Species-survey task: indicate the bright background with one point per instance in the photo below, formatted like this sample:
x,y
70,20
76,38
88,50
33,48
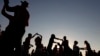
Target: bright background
x,y
77,19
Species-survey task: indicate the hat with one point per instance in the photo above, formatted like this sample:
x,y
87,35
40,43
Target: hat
x,y
24,2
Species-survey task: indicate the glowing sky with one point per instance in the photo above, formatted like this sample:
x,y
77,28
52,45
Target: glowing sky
x,y
77,19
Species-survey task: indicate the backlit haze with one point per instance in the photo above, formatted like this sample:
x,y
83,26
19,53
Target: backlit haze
x,y
77,19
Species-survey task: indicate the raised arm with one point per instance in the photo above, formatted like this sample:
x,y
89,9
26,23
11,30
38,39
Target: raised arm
x,y
34,35
41,37
4,13
59,39
11,9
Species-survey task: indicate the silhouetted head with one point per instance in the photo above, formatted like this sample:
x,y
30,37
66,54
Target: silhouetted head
x,y
24,4
38,39
29,35
75,42
85,42
52,36
64,37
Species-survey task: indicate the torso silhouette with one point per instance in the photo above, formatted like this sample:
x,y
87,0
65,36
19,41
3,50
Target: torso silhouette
x,y
21,16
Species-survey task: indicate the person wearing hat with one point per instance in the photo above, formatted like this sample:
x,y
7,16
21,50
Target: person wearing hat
x,y
21,17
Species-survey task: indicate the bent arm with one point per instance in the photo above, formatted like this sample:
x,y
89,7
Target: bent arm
x,y
5,14
8,8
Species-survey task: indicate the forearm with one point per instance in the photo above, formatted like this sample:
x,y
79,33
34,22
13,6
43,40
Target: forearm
x,y
6,3
4,13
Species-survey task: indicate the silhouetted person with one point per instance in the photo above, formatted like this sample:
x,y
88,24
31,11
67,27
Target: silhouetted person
x,y
88,49
76,49
67,49
39,46
21,16
50,44
27,44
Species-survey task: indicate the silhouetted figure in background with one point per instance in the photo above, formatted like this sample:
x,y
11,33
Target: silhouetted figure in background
x,y
27,45
21,16
39,45
67,49
76,49
88,49
50,44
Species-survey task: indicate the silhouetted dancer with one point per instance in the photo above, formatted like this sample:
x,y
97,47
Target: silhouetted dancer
x,y
67,49
50,44
27,45
76,49
21,16
88,49
39,46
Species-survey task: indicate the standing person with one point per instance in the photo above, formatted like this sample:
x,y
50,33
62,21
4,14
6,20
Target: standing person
x,y
39,46
50,44
27,45
88,48
21,16
76,50
67,49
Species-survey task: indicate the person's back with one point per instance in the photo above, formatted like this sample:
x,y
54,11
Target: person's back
x,y
75,49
